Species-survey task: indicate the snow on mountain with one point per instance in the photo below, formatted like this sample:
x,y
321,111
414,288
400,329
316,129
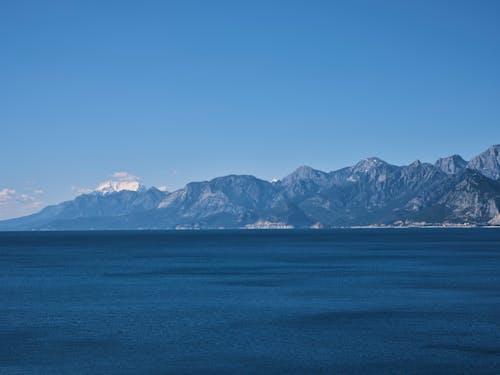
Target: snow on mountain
x,y
120,181
115,186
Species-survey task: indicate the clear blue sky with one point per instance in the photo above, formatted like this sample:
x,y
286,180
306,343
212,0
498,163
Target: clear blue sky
x,y
174,91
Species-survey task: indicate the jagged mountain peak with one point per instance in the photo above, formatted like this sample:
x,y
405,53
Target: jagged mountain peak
x,y
487,162
303,172
367,164
304,180
304,169
420,165
494,148
451,164
234,178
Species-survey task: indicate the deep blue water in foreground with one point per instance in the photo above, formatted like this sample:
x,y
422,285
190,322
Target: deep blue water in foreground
x,y
344,301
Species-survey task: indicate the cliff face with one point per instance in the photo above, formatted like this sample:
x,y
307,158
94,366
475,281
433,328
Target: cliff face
x,y
474,199
487,163
452,164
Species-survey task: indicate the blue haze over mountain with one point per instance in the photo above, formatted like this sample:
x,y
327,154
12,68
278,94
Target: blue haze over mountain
x,y
372,192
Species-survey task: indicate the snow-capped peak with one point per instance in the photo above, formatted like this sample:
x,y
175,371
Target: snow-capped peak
x,y
114,186
121,181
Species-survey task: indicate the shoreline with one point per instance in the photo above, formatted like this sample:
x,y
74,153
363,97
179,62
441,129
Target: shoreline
x,y
241,229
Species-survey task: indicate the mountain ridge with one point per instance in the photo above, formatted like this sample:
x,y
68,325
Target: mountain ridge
x,y
370,193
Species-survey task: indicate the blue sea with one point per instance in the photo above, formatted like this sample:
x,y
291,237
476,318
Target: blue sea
x,y
353,301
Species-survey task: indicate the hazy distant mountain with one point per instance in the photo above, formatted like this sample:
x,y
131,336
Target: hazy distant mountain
x,y
372,192
95,205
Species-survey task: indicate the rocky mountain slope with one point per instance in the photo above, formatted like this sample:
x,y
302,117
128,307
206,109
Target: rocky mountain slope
x,y
372,192
487,163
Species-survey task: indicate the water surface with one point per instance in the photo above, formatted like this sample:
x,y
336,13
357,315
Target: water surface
x,y
346,301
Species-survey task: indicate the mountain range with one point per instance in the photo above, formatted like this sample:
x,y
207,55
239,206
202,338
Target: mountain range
x,y
372,192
